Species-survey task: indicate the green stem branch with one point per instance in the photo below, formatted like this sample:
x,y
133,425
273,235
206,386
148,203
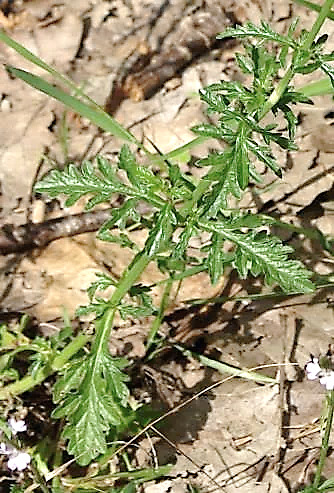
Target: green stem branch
x,y
28,382
277,93
158,319
129,277
323,14
289,74
314,6
325,439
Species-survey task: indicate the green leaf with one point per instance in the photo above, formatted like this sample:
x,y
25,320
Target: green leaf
x,y
291,119
182,187
135,311
264,154
283,142
266,67
240,158
217,259
121,239
294,97
119,216
140,177
245,63
283,56
208,130
182,244
15,488
78,182
98,306
259,253
327,485
214,159
144,306
238,220
92,396
71,378
93,112
329,71
160,235
102,283
229,369
264,32
217,198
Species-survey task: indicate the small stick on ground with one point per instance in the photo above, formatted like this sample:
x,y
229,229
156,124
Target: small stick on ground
x,y
29,236
195,36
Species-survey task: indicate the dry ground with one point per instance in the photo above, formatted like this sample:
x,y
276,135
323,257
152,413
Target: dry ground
x,y
249,438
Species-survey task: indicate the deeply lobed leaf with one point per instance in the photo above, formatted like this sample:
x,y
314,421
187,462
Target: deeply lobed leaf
x,y
92,396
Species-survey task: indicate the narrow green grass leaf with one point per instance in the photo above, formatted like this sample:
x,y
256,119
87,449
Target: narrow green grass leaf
x,y
94,114
318,88
28,55
224,368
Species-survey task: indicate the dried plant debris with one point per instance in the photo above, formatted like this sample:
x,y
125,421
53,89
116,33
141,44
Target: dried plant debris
x,y
146,70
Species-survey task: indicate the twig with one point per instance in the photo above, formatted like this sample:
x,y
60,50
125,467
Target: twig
x,y
31,235
196,35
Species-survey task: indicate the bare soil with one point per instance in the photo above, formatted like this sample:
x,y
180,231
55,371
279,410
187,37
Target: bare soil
x,y
247,437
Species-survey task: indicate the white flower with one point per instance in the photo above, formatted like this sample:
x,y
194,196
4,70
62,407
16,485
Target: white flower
x,y
312,368
327,379
17,426
6,448
314,371
18,460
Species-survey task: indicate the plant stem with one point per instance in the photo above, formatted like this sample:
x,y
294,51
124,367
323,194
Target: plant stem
x,y
325,439
323,14
24,384
289,74
318,88
327,243
158,319
276,95
70,350
28,382
129,277
314,6
175,153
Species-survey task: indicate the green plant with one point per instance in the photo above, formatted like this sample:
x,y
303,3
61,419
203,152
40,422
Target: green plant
x,y
323,371
91,393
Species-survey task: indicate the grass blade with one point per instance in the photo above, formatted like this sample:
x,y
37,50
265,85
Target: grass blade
x,y
318,88
95,114
28,55
224,368
31,57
